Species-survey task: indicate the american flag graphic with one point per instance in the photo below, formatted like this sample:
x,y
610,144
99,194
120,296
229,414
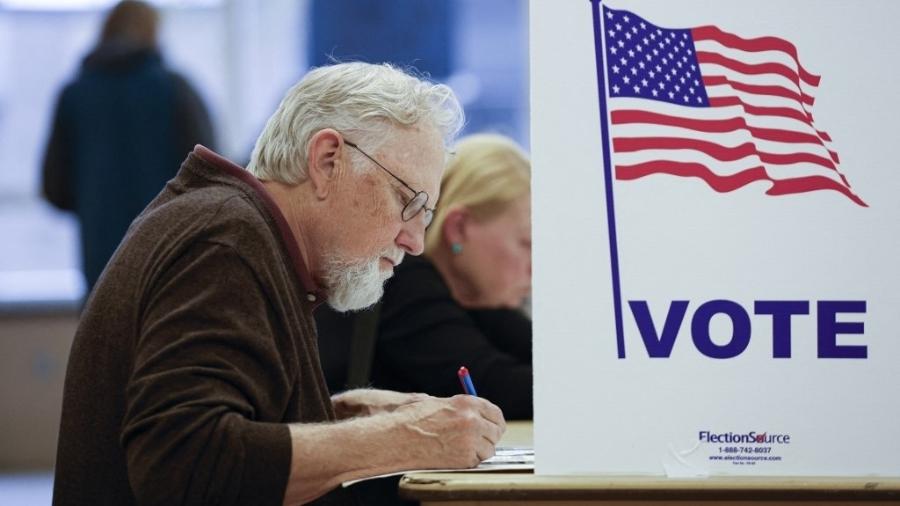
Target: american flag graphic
x,y
705,103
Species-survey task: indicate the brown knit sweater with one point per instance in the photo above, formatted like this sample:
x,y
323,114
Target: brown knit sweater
x,y
194,349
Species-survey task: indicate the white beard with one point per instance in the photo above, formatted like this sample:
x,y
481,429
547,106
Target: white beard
x,y
355,286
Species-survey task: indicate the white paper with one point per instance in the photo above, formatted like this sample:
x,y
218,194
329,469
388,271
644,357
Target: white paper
x,y
505,459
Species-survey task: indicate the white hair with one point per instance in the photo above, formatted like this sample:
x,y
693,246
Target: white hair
x,y
358,99
353,286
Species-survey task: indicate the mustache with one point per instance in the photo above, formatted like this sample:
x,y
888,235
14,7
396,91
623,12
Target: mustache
x,y
394,255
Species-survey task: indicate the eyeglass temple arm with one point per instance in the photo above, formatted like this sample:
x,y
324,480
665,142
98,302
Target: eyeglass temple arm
x,y
352,145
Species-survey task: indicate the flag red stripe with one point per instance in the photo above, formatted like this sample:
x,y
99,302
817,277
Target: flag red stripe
x,y
753,46
758,89
787,159
717,151
779,135
630,116
811,183
750,68
722,153
719,183
727,183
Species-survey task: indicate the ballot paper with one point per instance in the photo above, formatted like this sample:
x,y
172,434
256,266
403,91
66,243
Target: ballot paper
x,y
506,458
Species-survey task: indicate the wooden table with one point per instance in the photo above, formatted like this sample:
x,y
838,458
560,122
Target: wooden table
x,y
504,488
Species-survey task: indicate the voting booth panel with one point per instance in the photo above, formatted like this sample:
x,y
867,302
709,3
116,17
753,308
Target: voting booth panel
x,y
717,228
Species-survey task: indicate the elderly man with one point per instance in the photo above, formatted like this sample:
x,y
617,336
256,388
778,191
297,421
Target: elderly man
x,y
194,376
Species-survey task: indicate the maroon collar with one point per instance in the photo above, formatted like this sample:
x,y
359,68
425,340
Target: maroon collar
x,y
314,293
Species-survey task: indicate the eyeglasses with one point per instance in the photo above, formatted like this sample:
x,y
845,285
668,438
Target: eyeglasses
x,y
416,204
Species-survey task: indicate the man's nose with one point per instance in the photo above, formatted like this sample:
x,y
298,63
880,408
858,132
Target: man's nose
x,y
412,236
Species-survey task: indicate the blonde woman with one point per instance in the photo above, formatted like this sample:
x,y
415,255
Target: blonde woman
x,y
457,305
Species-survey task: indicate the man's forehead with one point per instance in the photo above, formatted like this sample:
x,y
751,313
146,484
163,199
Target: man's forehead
x,y
418,158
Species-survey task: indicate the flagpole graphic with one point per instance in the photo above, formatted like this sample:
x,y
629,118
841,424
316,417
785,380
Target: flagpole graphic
x,y
608,178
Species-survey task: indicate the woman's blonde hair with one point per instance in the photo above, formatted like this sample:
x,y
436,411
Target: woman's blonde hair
x,y
486,174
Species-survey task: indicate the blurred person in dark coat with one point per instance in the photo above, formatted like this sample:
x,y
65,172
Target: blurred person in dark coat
x,y
120,131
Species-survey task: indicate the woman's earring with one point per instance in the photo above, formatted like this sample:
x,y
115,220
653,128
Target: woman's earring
x,y
456,248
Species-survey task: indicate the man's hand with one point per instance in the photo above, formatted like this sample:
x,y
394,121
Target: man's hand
x,y
455,432
414,431
367,401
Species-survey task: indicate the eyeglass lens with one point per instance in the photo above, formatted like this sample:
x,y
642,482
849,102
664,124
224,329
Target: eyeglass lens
x,y
415,205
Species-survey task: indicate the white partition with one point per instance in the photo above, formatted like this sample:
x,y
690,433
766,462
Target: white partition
x,y
722,295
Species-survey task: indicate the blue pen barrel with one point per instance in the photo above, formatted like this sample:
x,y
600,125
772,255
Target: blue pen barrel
x,y
466,381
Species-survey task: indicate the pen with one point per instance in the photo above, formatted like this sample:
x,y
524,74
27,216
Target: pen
x,y
466,381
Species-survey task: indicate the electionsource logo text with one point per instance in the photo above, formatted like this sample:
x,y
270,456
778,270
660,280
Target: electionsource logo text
x,y
749,437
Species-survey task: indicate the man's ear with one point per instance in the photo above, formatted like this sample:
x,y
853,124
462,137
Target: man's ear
x,y
456,223
324,156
